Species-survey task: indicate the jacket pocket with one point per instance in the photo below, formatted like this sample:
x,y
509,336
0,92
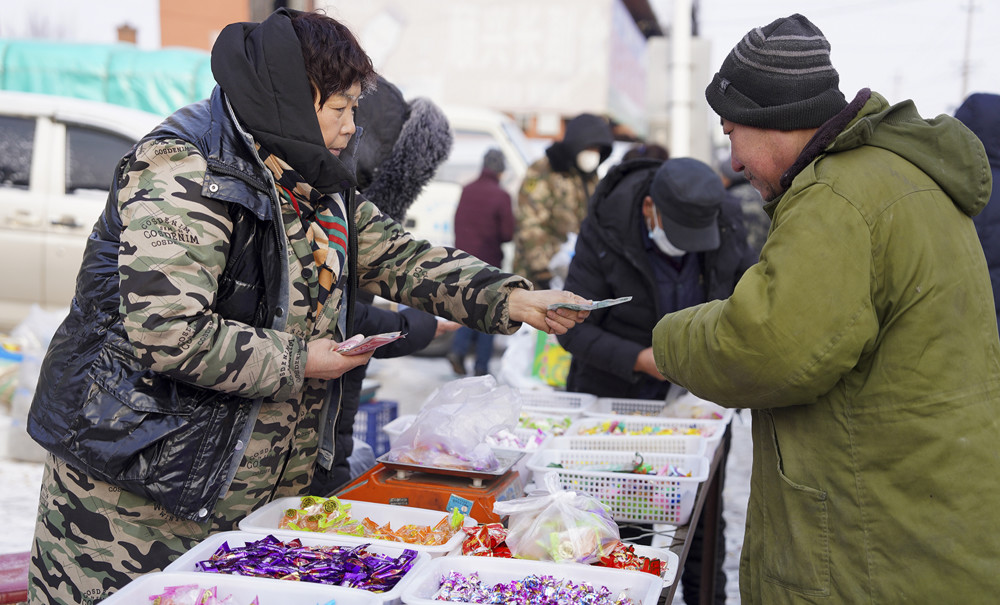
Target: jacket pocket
x,y
128,419
797,544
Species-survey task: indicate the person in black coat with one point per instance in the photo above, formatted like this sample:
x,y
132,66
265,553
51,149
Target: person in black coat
x,y
666,234
617,256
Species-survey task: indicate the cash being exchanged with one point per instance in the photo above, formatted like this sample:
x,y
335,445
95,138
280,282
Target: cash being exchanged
x,y
598,304
358,344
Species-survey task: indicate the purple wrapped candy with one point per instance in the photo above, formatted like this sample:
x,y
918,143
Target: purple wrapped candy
x,y
355,567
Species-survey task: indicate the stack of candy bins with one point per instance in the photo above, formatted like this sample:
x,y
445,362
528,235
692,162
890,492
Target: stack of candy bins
x,y
602,586
267,520
711,430
632,497
174,588
372,569
687,407
556,403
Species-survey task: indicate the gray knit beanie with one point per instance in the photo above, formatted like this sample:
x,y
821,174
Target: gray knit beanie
x,y
778,77
494,161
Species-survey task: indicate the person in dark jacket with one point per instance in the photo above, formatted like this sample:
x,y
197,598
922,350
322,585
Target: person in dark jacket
x,y
483,222
404,142
617,254
666,234
981,113
188,384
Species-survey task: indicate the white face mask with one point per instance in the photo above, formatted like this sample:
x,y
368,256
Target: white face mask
x,y
659,237
588,160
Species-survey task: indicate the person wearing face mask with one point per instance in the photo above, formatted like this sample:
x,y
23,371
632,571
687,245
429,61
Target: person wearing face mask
x,y
666,234
553,197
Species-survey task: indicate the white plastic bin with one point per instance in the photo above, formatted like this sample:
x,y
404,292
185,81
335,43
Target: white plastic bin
x,y
266,520
556,402
631,497
207,547
643,588
691,445
687,407
634,426
242,589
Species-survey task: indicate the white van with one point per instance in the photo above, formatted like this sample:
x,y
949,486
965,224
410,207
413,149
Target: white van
x,y
57,156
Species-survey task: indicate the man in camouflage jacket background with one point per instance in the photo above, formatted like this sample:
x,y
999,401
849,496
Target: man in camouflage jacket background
x,y
553,197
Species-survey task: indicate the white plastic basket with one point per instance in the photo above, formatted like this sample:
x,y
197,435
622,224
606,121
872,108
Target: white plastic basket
x,y
642,588
631,497
267,519
556,402
632,426
243,590
691,445
688,407
207,547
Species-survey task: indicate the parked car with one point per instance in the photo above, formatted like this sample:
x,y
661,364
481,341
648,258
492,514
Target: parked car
x,y
57,157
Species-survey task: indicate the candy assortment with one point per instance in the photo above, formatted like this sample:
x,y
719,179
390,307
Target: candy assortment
x,y
489,540
192,594
620,427
352,566
531,590
550,425
332,515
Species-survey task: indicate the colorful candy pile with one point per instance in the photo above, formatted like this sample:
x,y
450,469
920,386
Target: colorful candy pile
x,y
351,566
532,590
517,441
624,557
617,427
192,594
331,515
548,425
489,540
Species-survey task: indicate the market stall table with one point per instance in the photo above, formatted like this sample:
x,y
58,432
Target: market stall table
x,y
707,502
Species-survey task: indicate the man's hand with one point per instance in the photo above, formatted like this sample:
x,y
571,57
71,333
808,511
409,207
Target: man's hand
x,y
646,364
322,361
531,307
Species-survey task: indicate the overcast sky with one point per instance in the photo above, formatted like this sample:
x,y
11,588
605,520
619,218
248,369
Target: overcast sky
x,y
903,49
900,48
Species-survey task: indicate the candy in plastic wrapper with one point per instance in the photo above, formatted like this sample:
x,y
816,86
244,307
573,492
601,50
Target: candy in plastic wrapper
x,y
353,566
531,590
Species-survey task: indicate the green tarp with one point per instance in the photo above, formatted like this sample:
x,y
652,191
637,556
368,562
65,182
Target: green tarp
x,y
157,81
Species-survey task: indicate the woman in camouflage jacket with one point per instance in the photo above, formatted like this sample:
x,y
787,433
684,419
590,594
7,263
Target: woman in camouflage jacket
x,y
186,387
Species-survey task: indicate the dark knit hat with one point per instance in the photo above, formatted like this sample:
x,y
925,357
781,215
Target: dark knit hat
x,y
494,161
778,77
688,194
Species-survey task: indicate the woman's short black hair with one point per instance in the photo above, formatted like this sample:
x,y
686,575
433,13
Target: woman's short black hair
x,y
333,57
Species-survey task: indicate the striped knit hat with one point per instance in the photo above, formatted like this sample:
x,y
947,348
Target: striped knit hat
x,y
778,77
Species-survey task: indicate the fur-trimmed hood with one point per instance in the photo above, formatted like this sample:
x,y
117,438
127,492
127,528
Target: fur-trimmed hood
x,y
403,145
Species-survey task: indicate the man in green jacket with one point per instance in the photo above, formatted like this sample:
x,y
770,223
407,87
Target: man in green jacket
x,y
864,341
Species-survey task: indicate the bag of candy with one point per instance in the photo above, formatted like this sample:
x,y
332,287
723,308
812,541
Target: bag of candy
x,y
452,427
560,526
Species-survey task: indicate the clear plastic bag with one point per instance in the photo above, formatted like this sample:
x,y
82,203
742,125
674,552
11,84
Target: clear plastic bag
x,y
557,525
451,428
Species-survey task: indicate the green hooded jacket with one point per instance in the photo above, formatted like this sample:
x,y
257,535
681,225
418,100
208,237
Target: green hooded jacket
x,y
865,343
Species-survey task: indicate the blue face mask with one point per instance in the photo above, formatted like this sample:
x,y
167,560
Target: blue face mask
x,y
659,237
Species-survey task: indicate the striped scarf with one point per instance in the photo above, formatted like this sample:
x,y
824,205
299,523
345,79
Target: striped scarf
x,y
324,222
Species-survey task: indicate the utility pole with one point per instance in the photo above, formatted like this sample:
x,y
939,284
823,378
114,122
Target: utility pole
x,y
681,103
966,59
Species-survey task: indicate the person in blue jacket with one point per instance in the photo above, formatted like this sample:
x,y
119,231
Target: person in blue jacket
x,y
981,113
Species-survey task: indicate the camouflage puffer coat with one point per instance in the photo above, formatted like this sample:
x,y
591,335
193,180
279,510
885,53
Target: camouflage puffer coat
x,y
187,317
